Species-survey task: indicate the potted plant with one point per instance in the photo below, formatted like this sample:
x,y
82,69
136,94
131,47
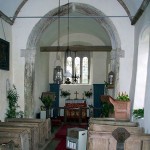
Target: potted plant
x,y
138,113
121,106
47,101
107,109
65,93
12,97
45,110
88,93
123,97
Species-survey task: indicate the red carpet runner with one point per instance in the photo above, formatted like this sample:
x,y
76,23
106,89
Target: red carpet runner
x,y
61,135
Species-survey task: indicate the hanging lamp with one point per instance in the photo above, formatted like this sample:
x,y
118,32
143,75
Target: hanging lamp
x,y
68,49
58,71
67,74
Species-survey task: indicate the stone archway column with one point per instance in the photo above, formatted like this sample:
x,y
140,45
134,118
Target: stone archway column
x,y
29,77
116,54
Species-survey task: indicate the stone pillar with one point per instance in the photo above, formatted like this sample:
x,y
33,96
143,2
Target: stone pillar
x,y
29,76
116,54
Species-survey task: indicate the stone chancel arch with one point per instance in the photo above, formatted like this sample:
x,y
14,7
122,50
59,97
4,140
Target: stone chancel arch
x,y
40,27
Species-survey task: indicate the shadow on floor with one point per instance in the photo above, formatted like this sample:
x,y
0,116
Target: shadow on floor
x,y
54,142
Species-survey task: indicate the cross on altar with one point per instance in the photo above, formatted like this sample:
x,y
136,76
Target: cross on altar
x,y
76,93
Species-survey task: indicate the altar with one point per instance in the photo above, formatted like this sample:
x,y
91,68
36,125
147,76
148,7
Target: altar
x,y
75,101
75,109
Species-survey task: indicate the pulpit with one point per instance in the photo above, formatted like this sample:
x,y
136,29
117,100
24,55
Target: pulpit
x,y
75,109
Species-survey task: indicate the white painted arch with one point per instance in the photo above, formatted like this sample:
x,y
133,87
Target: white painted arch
x,y
36,34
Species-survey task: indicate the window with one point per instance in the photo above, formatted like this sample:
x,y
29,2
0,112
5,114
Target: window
x,y
77,67
85,70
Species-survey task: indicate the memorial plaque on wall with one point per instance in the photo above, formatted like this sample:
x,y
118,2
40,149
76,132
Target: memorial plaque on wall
x,y
4,54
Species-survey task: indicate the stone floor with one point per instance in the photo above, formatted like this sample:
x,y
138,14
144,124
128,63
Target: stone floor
x,y
52,144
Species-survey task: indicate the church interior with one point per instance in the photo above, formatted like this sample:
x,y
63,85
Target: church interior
x,y
65,65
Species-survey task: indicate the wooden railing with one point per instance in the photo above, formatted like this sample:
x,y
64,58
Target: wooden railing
x,y
80,113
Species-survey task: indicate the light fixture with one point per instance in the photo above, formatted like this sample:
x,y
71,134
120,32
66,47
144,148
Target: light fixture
x,y
67,74
75,77
58,71
68,50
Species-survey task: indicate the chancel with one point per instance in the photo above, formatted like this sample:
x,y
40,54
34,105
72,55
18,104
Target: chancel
x,y
95,51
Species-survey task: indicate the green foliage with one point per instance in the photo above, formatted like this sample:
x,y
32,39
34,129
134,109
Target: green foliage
x,y
12,97
88,93
107,109
106,84
47,101
123,97
65,93
138,113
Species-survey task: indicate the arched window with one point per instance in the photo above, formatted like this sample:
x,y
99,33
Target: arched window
x,y
69,67
77,67
85,70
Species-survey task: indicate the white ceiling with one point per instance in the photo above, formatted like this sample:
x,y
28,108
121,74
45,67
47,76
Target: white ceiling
x,y
11,8
92,30
133,5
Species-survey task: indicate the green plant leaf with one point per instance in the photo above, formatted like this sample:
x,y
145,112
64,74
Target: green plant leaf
x,y
138,113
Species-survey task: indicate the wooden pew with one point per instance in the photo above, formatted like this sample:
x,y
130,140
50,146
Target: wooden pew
x,y
7,146
46,124
37,126
104,132
20,138
33,136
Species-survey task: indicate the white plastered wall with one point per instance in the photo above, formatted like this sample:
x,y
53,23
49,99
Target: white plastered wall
x,y
5,34
41,78
23,27
140,27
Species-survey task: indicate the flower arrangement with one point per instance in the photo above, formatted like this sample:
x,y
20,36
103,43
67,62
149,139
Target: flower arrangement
x,y
123,96
65,93
88,93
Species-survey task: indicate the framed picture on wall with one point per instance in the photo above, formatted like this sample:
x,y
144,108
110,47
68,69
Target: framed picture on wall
x,y
4,54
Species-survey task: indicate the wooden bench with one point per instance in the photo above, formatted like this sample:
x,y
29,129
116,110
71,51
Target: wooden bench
x,y
33,136
45,124
19,137
7,146
38,129
103,135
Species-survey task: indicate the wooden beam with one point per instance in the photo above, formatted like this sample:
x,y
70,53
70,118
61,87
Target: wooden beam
x,y
76,48
4,17
140,11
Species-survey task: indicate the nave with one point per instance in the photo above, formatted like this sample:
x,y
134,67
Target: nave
x,y
98,134
59,134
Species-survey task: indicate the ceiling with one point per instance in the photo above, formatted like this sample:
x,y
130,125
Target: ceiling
x,y
92,33
9,10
